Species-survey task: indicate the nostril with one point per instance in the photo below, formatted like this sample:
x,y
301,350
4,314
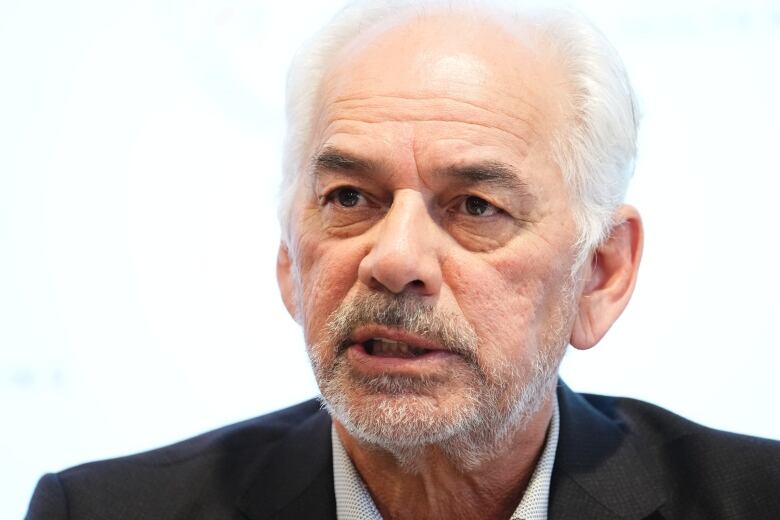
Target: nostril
x,y
417,283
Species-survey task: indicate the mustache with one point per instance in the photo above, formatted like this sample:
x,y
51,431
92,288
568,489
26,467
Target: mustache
x,y
405,312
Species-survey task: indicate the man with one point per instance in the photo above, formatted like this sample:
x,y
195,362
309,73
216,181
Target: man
x,y
452,221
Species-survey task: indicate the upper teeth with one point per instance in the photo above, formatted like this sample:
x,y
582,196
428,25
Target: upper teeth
x,y
389,346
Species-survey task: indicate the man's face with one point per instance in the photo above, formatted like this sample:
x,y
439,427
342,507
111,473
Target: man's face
x,y
432,239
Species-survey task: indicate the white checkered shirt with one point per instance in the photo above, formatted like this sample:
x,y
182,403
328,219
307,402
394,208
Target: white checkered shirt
x,y
353,502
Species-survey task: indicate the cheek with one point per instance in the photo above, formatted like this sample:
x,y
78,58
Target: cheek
x,y
328,272
507,298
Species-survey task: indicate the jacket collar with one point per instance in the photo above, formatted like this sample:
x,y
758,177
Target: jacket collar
x,y
297,479
599,472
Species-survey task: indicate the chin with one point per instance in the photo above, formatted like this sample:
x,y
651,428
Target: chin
x,y
465,418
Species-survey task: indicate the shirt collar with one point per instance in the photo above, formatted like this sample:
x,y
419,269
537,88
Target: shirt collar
x,y
353,502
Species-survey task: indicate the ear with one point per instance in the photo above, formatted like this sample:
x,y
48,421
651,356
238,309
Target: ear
x,y
609,279
286,279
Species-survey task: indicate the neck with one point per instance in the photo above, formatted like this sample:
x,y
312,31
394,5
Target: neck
x,y
436,486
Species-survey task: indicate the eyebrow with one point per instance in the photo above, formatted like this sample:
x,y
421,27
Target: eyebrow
x,y
333,159
490,173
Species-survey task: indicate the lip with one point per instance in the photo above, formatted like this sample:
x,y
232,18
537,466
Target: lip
x,y
432,362
365,333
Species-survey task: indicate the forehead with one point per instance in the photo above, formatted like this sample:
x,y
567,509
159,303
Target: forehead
x,y
426,95
446,66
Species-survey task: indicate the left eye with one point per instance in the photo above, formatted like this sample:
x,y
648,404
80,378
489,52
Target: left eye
x,y
478,207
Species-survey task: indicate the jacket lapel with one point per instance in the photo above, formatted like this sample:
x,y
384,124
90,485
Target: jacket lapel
x,y
297,480
599,472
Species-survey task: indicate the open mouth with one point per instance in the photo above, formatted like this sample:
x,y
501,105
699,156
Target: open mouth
x,y
383,347
378,350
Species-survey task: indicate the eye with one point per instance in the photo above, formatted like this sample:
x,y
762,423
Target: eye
x,y
478,207
345,197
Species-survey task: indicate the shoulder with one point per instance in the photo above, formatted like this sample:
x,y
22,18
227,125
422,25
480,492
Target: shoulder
x,y
678,439
703,471
233,443
207,471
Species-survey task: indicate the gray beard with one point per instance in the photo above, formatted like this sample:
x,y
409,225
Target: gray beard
x,y
405,415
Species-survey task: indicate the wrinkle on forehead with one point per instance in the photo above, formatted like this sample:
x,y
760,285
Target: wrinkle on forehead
x,y
347,126
346,113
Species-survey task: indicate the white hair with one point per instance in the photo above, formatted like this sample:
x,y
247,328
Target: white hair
x,y
595,151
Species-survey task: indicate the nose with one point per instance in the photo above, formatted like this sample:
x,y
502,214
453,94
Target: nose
x,y
403,257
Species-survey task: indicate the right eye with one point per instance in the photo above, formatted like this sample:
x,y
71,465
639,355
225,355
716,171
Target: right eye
x,y
345,197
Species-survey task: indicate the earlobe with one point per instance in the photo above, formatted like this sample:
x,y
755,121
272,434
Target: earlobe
x,y
609,280
286,280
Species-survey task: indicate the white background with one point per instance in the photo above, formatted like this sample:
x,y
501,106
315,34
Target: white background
x,y
139,163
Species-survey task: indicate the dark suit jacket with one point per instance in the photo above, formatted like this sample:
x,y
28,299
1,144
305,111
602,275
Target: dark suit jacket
x,y
616,458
